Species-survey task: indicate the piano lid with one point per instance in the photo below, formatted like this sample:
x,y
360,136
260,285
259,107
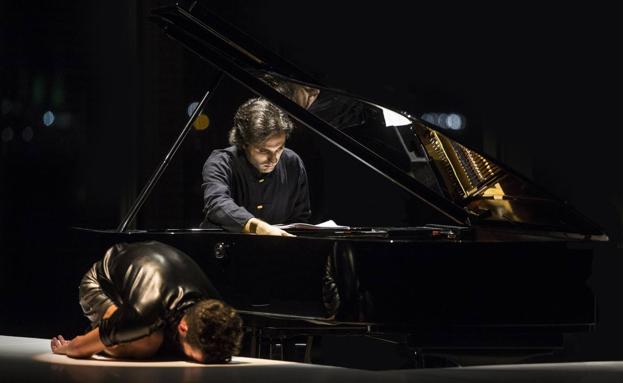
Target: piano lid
x,y
464,185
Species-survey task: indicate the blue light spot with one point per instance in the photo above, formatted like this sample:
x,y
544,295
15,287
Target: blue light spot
x,y
454,121
429,117
191,108
48,118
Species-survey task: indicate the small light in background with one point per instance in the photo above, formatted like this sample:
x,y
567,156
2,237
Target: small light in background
x,y
429,117
441,120
201,122
27,134
191,108
7,134
454,121
450,121
48,118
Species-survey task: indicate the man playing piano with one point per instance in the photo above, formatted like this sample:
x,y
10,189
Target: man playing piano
x,y
257,182
148,298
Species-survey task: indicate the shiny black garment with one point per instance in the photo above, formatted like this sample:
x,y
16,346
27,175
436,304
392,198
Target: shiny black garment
x,y
152,284
234,191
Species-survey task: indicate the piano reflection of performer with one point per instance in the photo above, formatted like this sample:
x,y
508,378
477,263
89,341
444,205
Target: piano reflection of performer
x,y
256,182
303,95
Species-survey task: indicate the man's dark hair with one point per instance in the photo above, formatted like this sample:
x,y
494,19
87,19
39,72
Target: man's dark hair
x,y
215,328
256,120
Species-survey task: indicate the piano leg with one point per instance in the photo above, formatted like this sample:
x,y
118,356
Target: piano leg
x,y
418,358
255,347
279,344
353,302
290,347
308,349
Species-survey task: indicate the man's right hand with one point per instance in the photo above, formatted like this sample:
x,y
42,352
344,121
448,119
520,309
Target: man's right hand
x,y
58,344
260,227
82,346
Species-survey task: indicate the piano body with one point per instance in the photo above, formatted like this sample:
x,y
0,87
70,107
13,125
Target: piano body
x,y
484,259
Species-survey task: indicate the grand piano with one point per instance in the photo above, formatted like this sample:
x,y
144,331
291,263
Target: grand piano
x,y
445,249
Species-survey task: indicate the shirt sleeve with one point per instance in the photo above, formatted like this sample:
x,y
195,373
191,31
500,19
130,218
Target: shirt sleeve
x,y
127,325
219,206
302,205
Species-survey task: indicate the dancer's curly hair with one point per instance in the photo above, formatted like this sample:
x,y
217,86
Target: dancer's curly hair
x,y
215,328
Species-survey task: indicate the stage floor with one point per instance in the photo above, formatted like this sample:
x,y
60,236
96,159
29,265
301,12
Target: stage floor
x,y
30,360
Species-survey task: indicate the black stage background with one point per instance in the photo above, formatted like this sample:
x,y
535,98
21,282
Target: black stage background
x,y
540,90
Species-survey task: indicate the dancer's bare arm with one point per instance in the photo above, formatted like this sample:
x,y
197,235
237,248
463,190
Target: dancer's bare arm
x,y
86,345
82,346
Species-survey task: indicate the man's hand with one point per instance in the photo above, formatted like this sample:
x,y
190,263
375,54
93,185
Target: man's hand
x,y
79,348
272,230
82,346
59,345
260,227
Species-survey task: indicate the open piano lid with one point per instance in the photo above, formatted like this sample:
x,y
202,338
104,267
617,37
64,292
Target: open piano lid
x,y
465,186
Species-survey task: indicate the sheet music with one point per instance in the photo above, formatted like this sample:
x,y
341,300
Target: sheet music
x,y
330,224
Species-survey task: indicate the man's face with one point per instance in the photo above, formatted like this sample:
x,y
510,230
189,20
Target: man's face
x,y
305,95
191,352
265,156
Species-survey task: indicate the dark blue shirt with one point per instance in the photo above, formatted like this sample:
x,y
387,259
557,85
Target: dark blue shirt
x,y
234,191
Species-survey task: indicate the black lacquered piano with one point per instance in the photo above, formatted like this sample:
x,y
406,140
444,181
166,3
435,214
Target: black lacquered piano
x,y
439,244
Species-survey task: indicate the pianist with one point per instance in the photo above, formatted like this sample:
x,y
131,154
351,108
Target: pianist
x,y
146,299
257,182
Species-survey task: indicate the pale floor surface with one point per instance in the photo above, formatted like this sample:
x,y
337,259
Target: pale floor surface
x,y
30,360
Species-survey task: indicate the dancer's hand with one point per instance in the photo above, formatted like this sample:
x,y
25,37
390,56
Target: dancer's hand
x,y
59,345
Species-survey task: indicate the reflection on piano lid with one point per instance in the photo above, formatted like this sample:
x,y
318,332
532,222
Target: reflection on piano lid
x,y
465,172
